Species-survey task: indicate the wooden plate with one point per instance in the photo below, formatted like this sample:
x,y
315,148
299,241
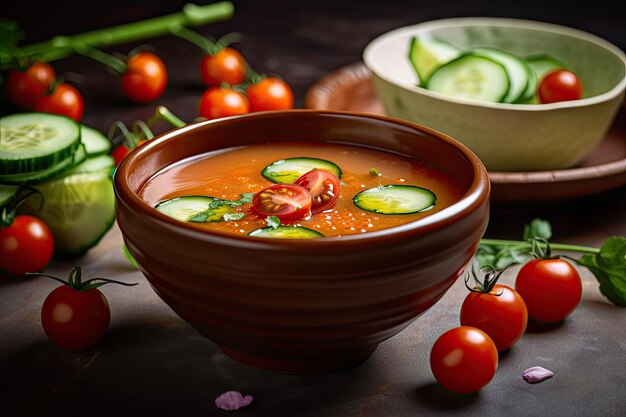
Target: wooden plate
x,y
350,89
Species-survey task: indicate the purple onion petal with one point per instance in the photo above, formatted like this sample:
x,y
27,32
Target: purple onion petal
x,y
233,400
537,374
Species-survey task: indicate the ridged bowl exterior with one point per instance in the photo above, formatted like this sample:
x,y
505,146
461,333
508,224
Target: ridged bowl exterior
x,y
302,306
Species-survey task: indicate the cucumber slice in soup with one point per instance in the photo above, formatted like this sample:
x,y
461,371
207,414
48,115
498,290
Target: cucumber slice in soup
x,y
395,199
517,69
36,142
471,76
286,232
95,142
428,55
195,209
36,177
78,208
287,171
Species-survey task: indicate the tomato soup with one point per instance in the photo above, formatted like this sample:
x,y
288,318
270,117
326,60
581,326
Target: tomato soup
x,y
228,174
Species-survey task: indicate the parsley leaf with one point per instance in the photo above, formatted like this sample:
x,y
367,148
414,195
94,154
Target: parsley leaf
x,y
229,217
609,267
273,221
537,228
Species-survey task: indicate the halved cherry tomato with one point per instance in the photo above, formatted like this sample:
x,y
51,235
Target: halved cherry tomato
x,y
551,288
145,79
560,85
323,186
26,245
25,87
65,100
225,66
270,94
501,313
288,202
222,102
464,359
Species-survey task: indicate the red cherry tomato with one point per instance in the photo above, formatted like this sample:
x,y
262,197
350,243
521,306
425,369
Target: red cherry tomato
x,y
120,153
225,66
65,100
551,288
323,186
464,359
26,245
288,202
270,94
560,85
222,102
145,79
25,87
501,313
75,320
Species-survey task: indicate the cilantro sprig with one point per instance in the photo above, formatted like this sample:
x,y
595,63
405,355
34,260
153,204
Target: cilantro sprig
x,y
607,264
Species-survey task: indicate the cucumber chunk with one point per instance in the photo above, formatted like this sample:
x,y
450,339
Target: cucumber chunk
x,y
428,55
35,177
197,209
287,171
471,76
36,142
95,142
540,66
395,199
286,232
518,71
78,208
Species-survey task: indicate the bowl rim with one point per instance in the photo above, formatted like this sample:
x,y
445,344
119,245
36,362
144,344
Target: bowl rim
x,y
370,60
476,195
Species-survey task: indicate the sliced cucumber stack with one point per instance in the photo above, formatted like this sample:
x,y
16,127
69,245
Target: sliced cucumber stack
x,y
395,199
518,71
95,142
197,209
79,206
428,55
471,76
287,171
286,232
36,146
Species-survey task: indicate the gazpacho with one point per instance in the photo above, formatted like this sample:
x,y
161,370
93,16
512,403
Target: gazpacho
x,y
300,190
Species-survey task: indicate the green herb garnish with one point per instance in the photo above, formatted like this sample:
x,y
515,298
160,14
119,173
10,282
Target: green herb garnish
x,y
608,264
374,171
217,203
273,221
230,217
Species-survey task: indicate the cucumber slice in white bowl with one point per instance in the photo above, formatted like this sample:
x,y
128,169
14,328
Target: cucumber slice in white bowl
x,y
428,55
519,73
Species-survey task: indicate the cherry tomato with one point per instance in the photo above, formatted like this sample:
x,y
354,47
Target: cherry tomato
x,y
26,245
120,153
464,359
560,85
551,288
145,79
65,100
501,313
75,320
225,66
288,202
270,94
222,102
25,87
323,186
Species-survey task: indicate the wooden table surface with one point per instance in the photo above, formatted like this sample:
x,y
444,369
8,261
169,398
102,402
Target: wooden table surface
x,y
152,363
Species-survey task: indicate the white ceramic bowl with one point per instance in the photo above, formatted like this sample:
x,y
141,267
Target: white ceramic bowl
x,y
506,137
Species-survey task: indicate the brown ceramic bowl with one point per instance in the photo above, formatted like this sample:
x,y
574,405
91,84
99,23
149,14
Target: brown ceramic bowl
x,y
302,306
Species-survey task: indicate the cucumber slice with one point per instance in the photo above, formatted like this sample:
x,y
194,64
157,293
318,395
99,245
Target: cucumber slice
x,y
95,142
517,69
286,232
36,142
78,208
196,209
428,55
99,163
35,177
395,199
471,76
287,171
6,192
540,65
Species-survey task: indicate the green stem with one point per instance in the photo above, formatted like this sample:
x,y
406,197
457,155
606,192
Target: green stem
x,y
117,65
194,37
554,246
191,15
163,113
